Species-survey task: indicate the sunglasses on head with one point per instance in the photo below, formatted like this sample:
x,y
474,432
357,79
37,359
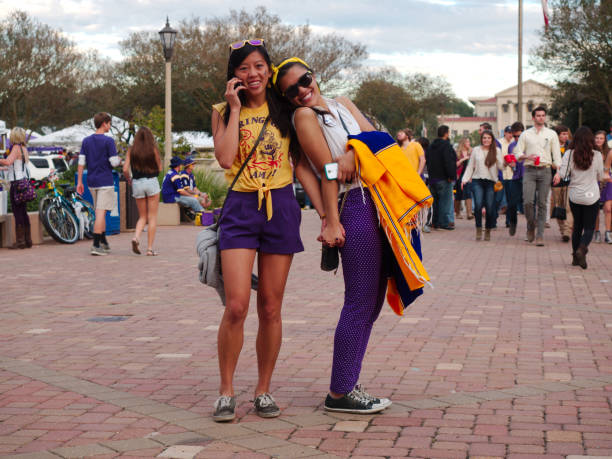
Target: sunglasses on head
x,y
252,42
293,90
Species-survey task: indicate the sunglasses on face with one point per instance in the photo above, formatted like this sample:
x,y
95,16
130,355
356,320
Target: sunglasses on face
x,y
304,81
252,42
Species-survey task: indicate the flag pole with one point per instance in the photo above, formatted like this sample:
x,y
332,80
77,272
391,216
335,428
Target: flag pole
x,y
520,63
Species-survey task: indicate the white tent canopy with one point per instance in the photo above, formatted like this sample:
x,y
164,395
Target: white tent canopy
x,y
72,136
197,139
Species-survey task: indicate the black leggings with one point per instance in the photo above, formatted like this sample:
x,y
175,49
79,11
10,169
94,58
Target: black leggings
x,y
584,223
20,211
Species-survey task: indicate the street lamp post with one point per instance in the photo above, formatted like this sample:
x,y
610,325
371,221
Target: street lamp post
x,y
519,92
168,35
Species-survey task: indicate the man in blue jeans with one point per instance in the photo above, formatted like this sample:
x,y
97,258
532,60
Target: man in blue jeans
x,y
441,162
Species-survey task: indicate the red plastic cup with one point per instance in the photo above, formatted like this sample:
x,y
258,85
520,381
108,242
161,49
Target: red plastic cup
x,y
510,159
536,162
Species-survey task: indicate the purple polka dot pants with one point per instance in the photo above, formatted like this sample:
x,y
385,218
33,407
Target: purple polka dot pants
x,y
365,285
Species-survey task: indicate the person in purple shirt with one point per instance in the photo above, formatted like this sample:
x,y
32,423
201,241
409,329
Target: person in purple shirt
x,y
99,154
514,187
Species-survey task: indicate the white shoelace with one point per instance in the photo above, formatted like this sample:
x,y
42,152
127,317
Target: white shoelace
x,y
361,391
358,395
265,400
223,402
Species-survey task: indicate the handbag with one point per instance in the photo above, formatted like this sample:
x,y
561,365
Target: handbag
x,y
24,190
559,212
207,242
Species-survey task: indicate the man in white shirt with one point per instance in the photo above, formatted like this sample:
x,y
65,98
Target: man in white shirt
x,y
538,148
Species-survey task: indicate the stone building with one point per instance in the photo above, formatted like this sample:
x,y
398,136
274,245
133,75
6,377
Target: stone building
x,y
500,110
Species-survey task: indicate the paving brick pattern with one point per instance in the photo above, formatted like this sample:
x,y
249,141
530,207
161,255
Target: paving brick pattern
x,y
508,355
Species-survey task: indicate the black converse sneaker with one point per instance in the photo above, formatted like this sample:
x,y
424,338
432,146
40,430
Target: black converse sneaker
x,y
353,402
225,409
266,407
384,402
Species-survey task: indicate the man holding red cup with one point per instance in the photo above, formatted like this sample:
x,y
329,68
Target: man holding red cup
x,y
538,148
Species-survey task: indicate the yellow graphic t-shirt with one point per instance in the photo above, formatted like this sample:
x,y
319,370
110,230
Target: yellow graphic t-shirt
x,y
269,168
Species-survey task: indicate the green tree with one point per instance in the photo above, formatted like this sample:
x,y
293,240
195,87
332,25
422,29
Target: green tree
x,y
577,49
382,97
399,101
39,72
200,61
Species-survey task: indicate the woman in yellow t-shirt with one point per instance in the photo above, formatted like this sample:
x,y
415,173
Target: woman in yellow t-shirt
x,y
261,215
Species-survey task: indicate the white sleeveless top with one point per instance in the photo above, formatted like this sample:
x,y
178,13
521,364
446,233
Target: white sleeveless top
x,y
335,134
17,170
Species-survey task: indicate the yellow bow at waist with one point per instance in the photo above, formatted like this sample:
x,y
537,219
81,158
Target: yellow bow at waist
x,y
263,192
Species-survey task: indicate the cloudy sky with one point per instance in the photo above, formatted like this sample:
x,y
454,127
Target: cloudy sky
x,y
472,43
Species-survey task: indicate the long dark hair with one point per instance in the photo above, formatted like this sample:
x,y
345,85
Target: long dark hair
x,y
279,114
582,145
144,154
492,154
296,149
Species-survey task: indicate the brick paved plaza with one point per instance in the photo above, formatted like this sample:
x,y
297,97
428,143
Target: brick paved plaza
x,y
509,355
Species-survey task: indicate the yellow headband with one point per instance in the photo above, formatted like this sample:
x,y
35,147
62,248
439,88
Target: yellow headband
x,y
275,70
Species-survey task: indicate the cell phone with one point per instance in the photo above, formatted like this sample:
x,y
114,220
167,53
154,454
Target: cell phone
x,y
331,171
238,84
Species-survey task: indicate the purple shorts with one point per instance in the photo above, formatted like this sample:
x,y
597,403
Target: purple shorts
x,y
245,227
606,193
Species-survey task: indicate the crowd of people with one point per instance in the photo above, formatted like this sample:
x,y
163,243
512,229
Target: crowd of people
x,y
540,172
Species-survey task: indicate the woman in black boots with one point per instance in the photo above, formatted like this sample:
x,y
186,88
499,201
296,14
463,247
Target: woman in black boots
x,y
585,167
18,169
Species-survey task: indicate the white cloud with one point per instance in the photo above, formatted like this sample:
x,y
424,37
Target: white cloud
x,y
470,42
470,75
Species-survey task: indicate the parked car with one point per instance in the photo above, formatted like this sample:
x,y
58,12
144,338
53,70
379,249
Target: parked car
x,y
40,166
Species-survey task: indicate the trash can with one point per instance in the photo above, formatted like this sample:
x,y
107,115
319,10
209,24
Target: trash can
x,y
113,223
131,209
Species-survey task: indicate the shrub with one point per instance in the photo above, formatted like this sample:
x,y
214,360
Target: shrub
x,y
211,183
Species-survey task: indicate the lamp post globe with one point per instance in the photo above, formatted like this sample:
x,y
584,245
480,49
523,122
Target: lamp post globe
x,y
168,36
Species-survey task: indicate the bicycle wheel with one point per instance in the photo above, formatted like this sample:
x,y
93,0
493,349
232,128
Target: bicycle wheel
x,y
89,217
61,223
43,203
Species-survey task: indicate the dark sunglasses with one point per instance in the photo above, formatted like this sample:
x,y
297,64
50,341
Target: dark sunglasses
x,y
304,81
516,136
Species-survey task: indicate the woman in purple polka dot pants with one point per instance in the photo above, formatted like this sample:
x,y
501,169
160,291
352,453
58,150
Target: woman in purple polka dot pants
x,y
365,287
323,126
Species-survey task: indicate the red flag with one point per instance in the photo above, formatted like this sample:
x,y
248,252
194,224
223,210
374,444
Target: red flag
x,y
545,11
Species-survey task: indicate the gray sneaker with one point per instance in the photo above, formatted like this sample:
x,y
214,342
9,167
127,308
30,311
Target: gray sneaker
x,y
266,407
384,402
99,251
353,402
105,247
608,237
225,409
598,236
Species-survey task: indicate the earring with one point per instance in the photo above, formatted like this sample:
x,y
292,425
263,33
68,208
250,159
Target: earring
x,y
269,85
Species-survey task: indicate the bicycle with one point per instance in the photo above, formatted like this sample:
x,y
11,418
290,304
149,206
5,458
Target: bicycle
x,y
65,215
